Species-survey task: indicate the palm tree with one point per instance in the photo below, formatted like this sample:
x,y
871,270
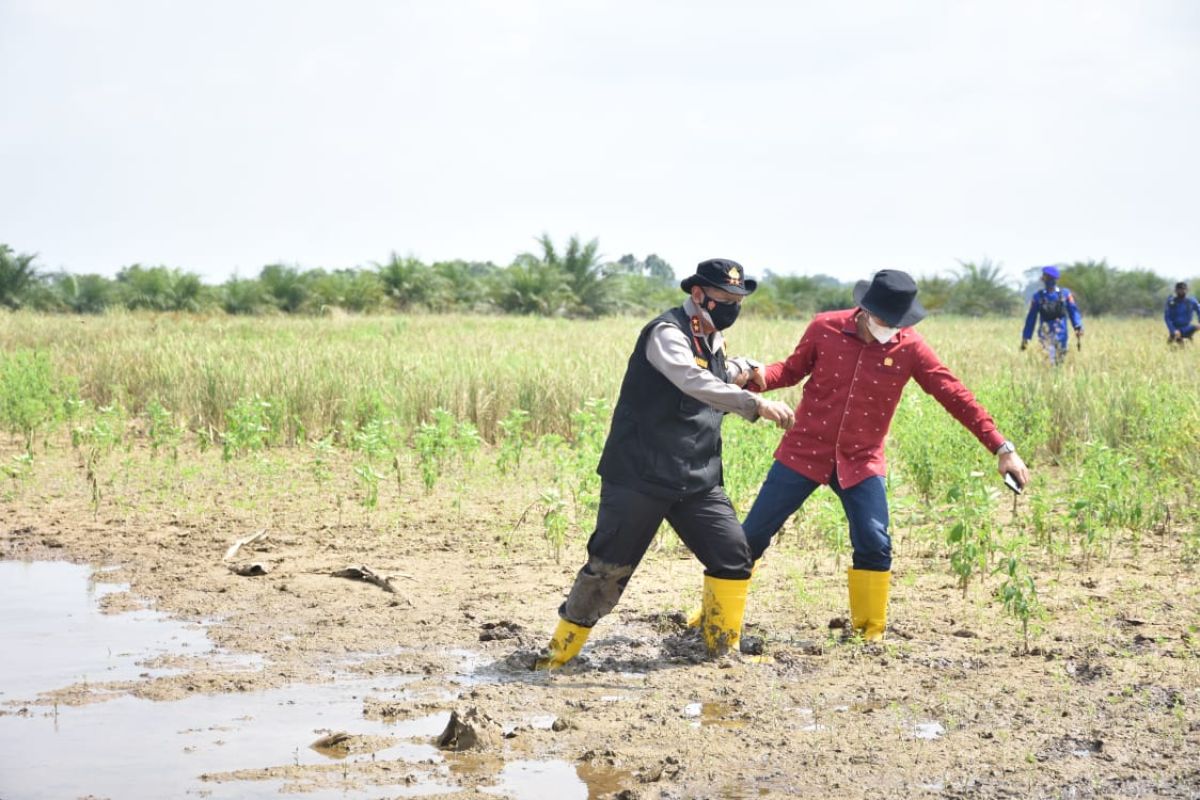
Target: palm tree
x,y
243,296
530,286
981,289
284,286
586,277
160,288
405,280
83,294
462,285
935,291
17,276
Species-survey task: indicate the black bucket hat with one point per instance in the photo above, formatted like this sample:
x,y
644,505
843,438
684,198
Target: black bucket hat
x,y
892,296
721,273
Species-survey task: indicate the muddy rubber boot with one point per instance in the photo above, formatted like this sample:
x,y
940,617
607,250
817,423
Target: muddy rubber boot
x,y
564,645
868,602
722,612
694,615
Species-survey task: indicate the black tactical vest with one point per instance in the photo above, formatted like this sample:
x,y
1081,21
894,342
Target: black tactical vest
x,y
663,442
1053,305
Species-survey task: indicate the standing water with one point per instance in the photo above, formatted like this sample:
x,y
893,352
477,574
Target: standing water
x,y
53,635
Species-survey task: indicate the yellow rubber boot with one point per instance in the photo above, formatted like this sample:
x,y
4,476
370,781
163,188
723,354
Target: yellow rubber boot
x,y
869,602
693,616
565,644
722,612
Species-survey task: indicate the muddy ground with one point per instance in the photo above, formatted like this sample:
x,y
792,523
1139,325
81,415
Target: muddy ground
x,y
1106,703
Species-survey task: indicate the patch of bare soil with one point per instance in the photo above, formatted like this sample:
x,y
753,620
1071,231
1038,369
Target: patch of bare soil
x,y
951,705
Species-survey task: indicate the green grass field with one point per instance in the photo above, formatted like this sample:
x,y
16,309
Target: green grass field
x,y
1111,436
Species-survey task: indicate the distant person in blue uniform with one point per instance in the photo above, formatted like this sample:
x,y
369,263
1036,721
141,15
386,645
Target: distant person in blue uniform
x,y
1055,305
1178,314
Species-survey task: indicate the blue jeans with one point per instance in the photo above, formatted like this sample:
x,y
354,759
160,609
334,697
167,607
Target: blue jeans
x,y
865,504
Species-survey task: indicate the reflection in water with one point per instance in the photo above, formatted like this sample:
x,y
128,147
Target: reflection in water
x,y
55,635
535,780
717,715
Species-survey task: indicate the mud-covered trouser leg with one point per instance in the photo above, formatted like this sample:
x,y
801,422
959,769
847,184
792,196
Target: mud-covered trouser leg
x,y
781,495
625,526
866,508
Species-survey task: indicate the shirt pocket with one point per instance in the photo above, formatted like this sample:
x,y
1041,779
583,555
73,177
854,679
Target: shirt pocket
x,y
887,366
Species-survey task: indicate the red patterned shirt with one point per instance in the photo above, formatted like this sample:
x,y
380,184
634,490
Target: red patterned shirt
x,y
852,393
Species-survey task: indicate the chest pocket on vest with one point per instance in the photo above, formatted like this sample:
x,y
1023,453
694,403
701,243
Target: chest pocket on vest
x,y
1053,307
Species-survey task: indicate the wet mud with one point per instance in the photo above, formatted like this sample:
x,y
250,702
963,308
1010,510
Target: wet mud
x,y
146,667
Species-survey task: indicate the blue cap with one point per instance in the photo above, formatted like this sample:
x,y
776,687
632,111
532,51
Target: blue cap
x,y
1050,272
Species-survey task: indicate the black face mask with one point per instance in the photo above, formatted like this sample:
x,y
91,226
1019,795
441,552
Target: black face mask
x,y
723,314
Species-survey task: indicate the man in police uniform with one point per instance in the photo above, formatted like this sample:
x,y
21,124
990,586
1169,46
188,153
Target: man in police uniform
x,y
1055,305
1178,314
662,460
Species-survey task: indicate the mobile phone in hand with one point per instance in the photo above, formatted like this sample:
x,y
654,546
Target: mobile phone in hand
x,y
1011,482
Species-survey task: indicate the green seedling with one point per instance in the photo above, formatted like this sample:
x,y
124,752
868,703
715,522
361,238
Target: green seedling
x,y
1019,595
370,480
27,394
322,452
247,427
515,437
18,470
440,441
555,521
164,434
97,440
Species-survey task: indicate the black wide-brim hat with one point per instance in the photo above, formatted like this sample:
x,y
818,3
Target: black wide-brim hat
x,y
721,273
891,295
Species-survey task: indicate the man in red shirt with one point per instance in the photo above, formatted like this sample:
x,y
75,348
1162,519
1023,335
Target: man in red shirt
x,y
857,362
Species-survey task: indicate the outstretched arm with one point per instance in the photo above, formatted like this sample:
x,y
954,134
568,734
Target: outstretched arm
x,y
936,379
795,367
669,351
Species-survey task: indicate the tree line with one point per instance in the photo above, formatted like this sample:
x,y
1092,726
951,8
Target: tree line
x,y
569,281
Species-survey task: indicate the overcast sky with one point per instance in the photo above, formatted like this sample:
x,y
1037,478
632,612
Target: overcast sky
x,y
796,137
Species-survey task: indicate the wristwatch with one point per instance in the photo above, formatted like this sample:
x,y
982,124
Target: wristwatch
x,y
1006,447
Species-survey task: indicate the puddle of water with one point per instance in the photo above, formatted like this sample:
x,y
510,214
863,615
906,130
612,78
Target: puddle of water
x,y
542,722
719,715
536,780
928,730
55,634
133,748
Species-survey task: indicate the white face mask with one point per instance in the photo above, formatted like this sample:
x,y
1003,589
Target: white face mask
x,y
880,333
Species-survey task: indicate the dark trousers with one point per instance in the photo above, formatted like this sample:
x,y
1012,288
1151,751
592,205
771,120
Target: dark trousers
x,y
625,526
1188,331
865,504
